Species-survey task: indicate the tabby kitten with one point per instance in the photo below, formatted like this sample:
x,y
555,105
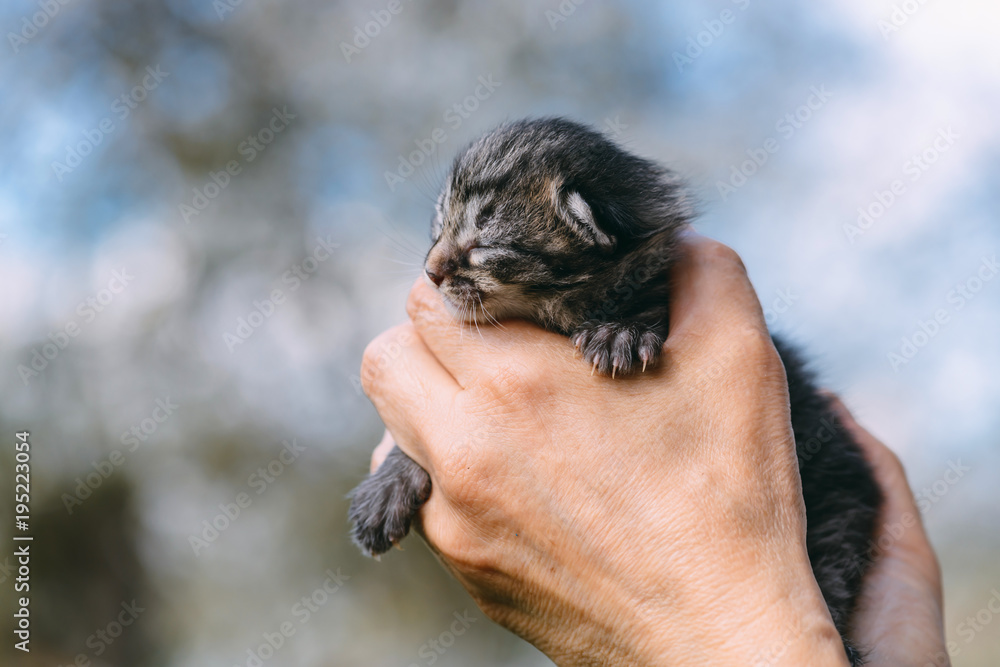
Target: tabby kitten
x,y
552,222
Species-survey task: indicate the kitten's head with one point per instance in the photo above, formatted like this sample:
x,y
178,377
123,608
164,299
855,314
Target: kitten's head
x,y
534,209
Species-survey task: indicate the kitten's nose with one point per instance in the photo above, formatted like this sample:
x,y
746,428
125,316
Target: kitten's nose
x,y
440,263
435,278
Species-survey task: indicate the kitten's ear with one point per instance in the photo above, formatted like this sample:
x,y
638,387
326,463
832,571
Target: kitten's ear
x,y
576,213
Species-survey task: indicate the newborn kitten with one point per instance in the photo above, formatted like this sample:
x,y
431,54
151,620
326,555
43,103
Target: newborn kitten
x,y
552,222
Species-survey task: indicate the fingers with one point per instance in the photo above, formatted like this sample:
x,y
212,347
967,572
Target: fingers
x,y
711,297
471,352
409,387
382,450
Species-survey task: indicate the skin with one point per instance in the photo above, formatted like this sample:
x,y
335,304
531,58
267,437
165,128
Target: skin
x,y
648,521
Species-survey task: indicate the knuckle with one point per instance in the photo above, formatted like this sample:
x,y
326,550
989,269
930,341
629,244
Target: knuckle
x,y
896,463
474,545
512,383
465,552
420,301
370,368
757,346
720,253
746,353
758,340
379,355
468,468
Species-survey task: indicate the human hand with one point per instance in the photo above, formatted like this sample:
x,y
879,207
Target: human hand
x,y
642,521
900,617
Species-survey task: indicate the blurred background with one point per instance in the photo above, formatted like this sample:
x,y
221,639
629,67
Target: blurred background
x,y
208,208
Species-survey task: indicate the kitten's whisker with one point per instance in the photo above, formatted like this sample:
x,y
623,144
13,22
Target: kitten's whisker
x,y
403,283
483,309
475,320
408,274
495,321
401,244
399,241
418,265
492,319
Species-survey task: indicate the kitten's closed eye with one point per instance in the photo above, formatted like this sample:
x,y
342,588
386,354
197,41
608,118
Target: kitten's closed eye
x,y
480,253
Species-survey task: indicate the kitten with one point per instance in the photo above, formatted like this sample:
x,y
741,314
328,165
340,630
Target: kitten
x,y
552,222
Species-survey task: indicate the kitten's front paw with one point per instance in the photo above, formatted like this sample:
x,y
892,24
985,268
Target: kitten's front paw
x,y
617,348
383,506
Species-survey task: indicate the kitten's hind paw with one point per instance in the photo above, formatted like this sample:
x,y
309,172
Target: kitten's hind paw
x,y
384,504
617,348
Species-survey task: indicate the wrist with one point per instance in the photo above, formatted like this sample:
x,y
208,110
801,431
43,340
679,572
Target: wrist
x,y
779,636
773,620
